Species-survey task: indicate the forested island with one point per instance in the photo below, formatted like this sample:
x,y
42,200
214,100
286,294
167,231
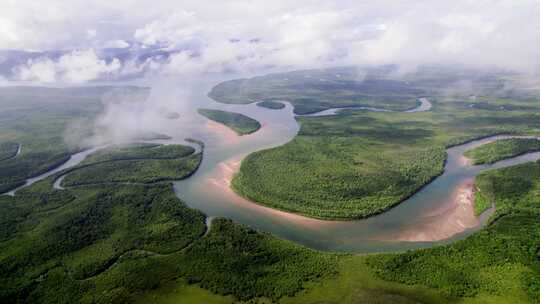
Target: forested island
x,y
239,123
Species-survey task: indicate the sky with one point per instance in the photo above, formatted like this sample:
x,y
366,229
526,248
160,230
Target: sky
x,y
204,37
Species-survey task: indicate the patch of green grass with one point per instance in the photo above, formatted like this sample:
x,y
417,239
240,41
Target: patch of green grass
x,y
274,105
240,123
356,283
180,292
502,149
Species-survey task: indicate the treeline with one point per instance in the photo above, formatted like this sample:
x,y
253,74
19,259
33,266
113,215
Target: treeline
x,y
239,123
502,149
134,171
140,151
269,104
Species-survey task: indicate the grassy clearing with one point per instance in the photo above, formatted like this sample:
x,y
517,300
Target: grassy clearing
x,y
273,105
239,123
502,149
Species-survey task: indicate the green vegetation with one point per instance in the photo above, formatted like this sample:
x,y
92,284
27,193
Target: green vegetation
x,y
502,259
502,149
110,243
124,243
481,203
336,178
233,259
136,163
240,123
138,152
355,282
52,242
134,171
274,105
360,163
50,124
311,91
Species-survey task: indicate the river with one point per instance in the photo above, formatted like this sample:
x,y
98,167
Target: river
x,y
439,213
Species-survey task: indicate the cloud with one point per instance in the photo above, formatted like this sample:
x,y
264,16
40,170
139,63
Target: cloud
x,y
179,27
117,44
248,36
75,67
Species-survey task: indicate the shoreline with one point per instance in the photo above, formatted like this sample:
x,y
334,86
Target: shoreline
x,y
454,217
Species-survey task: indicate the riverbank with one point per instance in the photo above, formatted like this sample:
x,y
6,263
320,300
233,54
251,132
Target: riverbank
x,y
454,216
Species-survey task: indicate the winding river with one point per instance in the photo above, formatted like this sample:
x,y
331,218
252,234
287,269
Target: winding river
x,y
439,213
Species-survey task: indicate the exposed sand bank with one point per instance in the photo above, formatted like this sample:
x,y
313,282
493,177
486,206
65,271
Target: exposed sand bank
x,y
455,216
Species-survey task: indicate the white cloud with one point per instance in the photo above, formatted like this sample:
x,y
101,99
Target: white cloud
x,y
218,36
8,33
178,27
117,44
75,67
